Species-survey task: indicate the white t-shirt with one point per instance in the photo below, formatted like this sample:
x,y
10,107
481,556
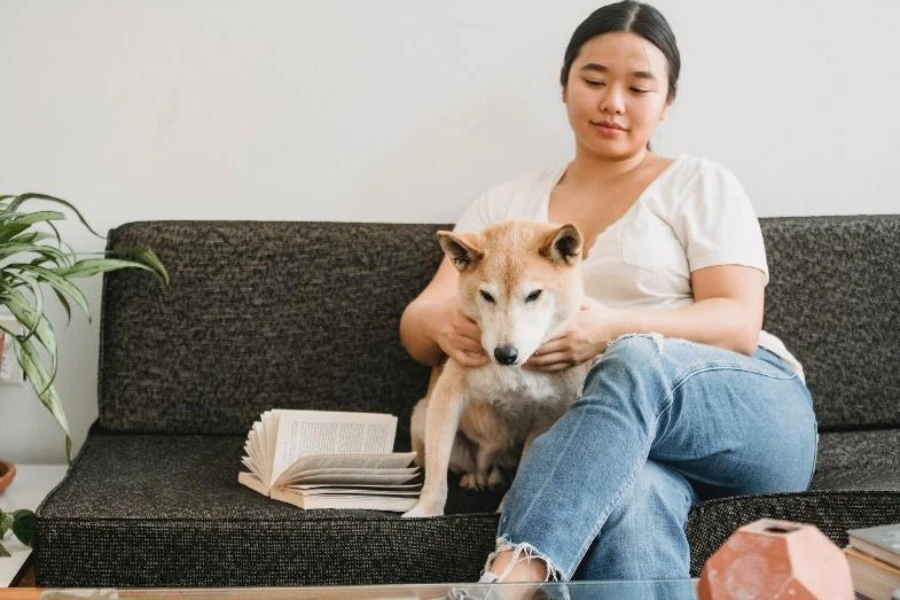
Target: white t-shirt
x,y
695,214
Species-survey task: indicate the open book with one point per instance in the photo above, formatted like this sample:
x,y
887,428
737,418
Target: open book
x,y
325,459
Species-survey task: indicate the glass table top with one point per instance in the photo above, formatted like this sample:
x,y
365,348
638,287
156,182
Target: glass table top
x,y
583,590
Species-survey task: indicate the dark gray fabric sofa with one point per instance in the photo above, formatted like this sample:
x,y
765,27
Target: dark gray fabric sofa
x,y
274,314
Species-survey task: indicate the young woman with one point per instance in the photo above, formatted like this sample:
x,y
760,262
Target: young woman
x,y
689,399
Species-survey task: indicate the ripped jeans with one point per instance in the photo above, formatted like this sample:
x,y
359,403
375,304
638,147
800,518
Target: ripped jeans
x,y
662,423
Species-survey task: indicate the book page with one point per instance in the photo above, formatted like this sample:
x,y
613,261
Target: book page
x,y
366,462
368,477
252,482
337,473
345,492
387,503
255,460
303,432
367,486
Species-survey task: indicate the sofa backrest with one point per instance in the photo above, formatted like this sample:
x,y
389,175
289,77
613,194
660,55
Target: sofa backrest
x,y
261,315
305,315
834,299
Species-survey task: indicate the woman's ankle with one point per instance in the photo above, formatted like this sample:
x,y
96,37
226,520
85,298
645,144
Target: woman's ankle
x,y
511,567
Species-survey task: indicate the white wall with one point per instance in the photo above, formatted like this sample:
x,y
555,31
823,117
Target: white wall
x,y
401,110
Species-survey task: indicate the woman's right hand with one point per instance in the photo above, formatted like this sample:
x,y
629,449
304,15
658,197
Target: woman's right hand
x,y
458,335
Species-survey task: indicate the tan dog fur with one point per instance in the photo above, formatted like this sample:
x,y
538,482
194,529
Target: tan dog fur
x,y
482,421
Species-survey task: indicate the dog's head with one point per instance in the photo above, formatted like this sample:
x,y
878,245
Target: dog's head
x,y
519,280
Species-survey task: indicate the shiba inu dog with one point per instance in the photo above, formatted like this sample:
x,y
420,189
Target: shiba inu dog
x,y
520,282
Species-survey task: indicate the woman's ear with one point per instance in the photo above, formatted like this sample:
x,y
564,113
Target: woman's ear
x,y
665,110
565,94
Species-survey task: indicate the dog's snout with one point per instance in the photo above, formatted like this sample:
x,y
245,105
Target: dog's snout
x,y
506,354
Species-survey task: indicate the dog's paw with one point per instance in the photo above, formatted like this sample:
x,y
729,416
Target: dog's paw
x,y
495,480
473,481
422,510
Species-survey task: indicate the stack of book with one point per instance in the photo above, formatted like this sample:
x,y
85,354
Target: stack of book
x,y
874,558
326,459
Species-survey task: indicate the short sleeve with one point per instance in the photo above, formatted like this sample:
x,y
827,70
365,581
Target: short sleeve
x,y
475,217
716,222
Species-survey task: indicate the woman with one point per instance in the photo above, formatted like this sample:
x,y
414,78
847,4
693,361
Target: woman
x,y
689,399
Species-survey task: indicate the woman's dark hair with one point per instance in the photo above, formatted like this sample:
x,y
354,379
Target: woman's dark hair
x,y
634,17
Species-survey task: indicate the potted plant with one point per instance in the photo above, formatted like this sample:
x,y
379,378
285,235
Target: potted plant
x,y
21,522
33,257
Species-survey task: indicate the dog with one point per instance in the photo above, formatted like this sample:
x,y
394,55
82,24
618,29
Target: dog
x,y
520,281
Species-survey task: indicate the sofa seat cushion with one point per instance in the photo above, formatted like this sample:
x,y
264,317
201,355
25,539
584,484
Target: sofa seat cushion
x,y
833,512
858,460
166,510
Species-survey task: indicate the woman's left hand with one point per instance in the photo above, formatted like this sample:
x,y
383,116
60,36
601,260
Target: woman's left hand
x,y
585,336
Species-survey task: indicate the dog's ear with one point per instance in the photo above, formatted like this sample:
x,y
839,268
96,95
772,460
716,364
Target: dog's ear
x,y
460,251
562,246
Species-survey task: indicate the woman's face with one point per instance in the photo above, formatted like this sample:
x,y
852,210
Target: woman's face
x,y
616,94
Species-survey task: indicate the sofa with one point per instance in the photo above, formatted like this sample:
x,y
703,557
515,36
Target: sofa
x,y
305,315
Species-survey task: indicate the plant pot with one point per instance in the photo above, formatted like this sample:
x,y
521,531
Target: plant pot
x,y
7,474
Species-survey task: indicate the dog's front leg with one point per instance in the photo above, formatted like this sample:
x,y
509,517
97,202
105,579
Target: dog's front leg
x,y
441,423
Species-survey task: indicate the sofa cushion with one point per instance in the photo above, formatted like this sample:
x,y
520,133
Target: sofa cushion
x,y
858,460
832,298
166,510
261,315
833,512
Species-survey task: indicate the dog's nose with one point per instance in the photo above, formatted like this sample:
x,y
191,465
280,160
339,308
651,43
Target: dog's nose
x,y
506,355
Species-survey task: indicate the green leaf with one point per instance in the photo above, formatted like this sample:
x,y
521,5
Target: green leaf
x,y
65,304
13,249
39,216
4,553
19,305
39,326
8,232
14,205
40,380
148,257
31,237
92,266
47,252
23,526
60,284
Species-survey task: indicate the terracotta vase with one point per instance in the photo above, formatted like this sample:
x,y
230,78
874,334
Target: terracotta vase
x,y
7,474
776,560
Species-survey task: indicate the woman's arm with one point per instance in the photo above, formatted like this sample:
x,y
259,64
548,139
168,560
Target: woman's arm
x,y
432,326
727,312
417,333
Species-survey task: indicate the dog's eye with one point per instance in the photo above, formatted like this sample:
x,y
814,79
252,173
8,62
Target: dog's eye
x,y
533,296
487,297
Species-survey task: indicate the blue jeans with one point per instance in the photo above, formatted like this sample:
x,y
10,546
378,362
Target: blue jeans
x,y
662,423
